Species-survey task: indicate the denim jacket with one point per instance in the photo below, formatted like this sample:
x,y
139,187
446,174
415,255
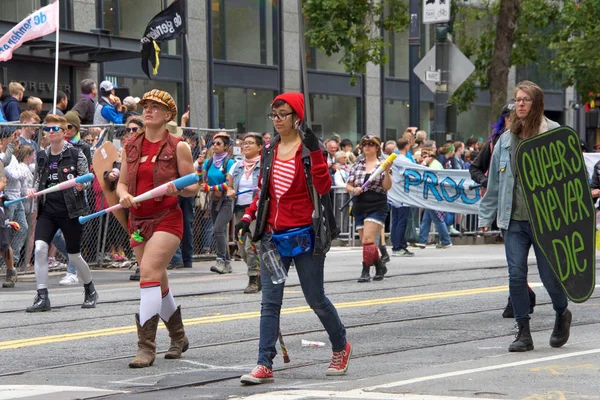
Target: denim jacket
x,y
498,198
238,172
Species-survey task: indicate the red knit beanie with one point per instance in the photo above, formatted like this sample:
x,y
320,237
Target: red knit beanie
x,y
295,100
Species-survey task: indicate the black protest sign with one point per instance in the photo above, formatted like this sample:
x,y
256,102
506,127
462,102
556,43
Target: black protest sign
x,y
558,197
168,24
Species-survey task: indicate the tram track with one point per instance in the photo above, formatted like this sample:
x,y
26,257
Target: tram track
x,y
236,375
237,303
288,286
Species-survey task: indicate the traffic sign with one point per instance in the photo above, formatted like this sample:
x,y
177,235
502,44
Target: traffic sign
x,y
460,69
436,11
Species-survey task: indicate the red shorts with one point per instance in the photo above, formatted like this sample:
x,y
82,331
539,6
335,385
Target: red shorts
x,y
171,223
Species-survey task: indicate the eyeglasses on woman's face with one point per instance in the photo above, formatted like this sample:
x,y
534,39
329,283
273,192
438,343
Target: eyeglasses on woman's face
x,y
369,144
130,130
279,116
248,143
217,143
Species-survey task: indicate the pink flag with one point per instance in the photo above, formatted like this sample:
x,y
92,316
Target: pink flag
x,y
37,24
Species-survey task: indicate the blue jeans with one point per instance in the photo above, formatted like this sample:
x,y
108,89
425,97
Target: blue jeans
x,y
310,272
450,219
61,246
398,230
518,239
428,217
185,252
16,212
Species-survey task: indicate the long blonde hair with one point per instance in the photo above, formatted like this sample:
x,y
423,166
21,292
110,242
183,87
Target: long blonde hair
x,y
530,125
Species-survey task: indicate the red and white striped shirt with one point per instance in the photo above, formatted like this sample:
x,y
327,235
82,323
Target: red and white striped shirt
x,y
283,175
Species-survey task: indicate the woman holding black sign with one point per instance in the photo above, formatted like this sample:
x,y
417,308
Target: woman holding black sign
x,y
505,199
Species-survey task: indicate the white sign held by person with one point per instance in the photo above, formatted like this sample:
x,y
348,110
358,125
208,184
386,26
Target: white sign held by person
x,y
443,190
39,23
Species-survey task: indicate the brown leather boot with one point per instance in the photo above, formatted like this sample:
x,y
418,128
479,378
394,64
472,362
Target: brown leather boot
x,y
11,278
146,352
179,342
253,285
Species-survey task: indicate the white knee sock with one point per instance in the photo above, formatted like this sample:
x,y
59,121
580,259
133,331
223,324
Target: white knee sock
x,y
83,269
168,306
40,264
150,300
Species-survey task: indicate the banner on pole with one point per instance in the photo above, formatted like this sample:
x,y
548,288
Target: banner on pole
x,y
561,210
39,23
168,24
442,190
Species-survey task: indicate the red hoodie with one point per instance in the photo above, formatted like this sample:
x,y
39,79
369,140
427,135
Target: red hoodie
x,y
295,207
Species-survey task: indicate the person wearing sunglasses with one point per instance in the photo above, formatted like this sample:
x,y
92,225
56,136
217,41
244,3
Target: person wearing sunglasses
x,y
369,206
293,173
505,202
59,162
153,158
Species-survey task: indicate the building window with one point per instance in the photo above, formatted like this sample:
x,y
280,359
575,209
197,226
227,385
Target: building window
x,y
137,88
246,31
244,109
473,123
336,114
128,19
397,118
17,10
397,65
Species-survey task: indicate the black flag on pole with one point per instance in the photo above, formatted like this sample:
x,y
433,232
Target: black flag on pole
x,y
166,25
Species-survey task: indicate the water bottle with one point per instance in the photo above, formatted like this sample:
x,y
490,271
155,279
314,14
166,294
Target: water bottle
x,y
272,262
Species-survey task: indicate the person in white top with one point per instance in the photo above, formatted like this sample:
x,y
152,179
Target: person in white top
x,y
243,177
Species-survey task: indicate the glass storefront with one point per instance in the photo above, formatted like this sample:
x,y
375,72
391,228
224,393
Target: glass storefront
x,y
397,118
336,114
137,88
245,31
473,123
244,109
17,10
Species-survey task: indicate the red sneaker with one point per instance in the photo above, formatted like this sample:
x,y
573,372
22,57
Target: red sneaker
x,y
340,361
260,374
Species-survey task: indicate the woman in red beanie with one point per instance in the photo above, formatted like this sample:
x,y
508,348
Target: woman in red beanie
x,y
293,172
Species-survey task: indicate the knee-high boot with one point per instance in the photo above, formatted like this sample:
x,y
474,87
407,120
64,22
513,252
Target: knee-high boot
x,y
146,352
179,342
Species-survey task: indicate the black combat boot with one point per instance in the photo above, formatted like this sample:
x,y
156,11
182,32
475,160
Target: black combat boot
x,y
562,329
523,340
380,270
91,296
365,276
508,310
41,302
385,257
531,299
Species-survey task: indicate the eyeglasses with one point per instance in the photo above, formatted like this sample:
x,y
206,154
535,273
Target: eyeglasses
x,y
524,100
70,126
217,143
129,130
280,116
248,143
367,144
55,128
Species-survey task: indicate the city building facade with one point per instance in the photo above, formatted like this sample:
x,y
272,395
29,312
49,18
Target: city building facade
x,y
237,56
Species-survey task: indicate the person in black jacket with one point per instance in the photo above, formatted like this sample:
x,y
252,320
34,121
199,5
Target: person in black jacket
x,y
479,173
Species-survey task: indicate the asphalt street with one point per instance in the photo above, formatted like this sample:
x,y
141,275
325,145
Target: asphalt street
x,y
431,330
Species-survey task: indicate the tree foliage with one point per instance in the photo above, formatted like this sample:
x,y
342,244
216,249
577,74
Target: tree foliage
x,y
566,29
352,28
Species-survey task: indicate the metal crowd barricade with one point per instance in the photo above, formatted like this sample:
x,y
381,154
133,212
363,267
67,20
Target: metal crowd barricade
x,y
99,234
200,139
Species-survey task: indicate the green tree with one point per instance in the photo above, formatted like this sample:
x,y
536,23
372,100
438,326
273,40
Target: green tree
x,y
352,27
